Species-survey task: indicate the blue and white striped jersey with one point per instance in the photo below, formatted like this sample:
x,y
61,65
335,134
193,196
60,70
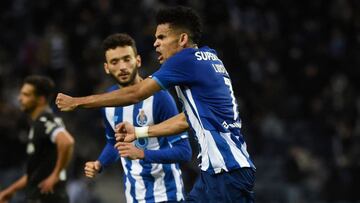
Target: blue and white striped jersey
x,y
204,88
144,181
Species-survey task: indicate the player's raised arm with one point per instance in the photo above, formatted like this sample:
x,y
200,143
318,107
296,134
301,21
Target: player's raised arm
x,y
122,97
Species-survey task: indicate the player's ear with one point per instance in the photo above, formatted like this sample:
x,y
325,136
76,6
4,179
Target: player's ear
x,y
184,39
106,68
138,61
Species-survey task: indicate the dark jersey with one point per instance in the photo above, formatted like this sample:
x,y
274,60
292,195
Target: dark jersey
x,y
42,152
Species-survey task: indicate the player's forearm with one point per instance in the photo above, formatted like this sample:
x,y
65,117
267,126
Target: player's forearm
x,y
121,97
65,148
19,184
172,126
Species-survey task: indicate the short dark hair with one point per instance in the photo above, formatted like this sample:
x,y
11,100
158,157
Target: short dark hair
x,y
118,40
44,86
183,18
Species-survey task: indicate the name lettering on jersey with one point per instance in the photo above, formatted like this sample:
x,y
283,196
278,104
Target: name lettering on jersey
x,y
206,56
219,68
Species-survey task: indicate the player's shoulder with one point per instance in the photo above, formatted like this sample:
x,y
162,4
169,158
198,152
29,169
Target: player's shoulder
x,y
110,89
48,117
162,95
163,98
45,116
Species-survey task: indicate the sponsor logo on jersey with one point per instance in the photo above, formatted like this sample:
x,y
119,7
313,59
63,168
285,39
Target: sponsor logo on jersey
x,y
206,56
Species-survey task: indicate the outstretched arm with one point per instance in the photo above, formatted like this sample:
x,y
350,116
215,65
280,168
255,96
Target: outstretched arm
x,y
122,97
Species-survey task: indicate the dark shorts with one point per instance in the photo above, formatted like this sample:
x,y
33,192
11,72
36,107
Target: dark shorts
x,y
228,187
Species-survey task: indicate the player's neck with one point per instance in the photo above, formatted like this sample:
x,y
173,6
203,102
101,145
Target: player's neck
x,y
37,111
191,45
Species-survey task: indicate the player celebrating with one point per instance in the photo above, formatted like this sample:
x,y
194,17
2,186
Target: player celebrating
x,y
152,172
204,87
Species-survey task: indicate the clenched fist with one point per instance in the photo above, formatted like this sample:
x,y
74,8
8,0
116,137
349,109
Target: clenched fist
x,y
92,168
65,102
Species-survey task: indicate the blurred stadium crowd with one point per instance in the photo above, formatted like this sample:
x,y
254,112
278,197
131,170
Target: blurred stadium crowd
x,y
295,67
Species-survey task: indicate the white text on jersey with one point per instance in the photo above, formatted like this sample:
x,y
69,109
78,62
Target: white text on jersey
x,y
206,56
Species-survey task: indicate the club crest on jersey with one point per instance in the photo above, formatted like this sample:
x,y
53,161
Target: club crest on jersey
x,y
141,118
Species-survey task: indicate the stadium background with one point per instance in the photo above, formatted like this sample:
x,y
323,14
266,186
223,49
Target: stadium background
x,y
294,66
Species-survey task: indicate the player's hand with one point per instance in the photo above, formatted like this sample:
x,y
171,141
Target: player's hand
x,y
92,168
65,102
125,132
47,186
128,150
5,196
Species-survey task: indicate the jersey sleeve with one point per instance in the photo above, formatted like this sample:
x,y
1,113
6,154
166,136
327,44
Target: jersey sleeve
x,y
51,126
177,70
179,151
108,155
165,108
109,132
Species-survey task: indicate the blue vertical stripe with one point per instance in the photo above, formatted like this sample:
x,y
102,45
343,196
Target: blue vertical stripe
x,y
118,117
225,150
148,181
146,167
131,179
241,140
169,181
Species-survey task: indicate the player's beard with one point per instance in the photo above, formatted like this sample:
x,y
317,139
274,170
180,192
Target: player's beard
x,y
28,109
128,82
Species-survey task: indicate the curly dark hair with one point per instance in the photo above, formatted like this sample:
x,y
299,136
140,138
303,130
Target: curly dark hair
x,y
181,17
44,86
118,40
